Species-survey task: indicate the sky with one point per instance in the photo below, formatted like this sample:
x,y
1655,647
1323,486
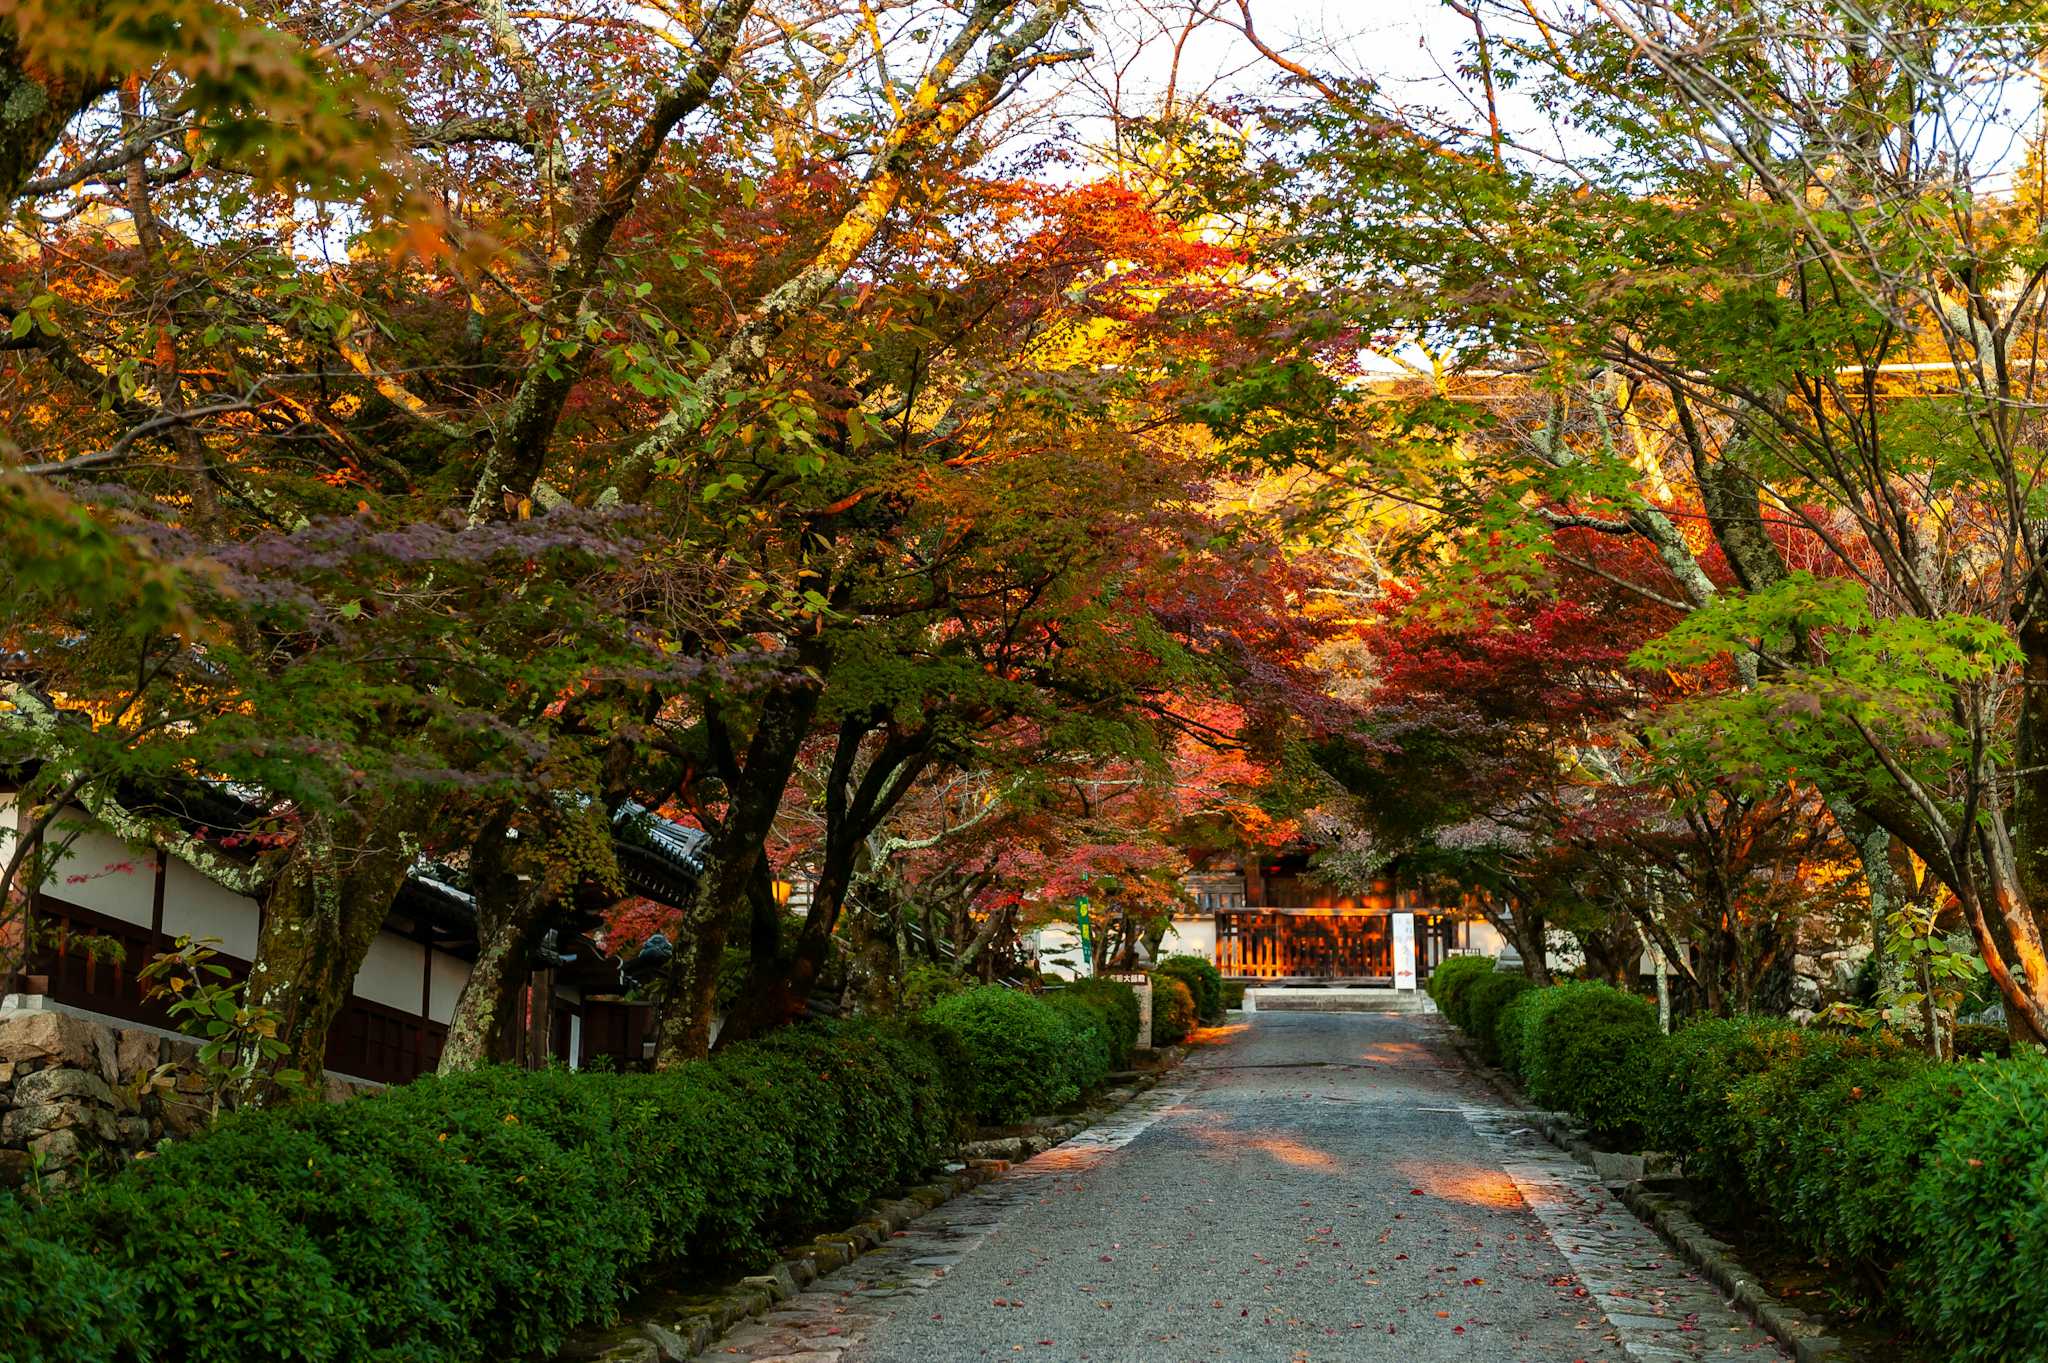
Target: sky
x,y
1405,43
1412,48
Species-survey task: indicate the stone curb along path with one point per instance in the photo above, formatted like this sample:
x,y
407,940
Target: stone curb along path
x,y
1646,1188
673,1325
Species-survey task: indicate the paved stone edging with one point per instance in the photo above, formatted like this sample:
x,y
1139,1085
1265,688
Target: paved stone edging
x,y
1661,1308
1646,1188
1672,1216
675,1326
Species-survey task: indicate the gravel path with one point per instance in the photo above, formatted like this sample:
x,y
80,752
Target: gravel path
x,y
1319,1187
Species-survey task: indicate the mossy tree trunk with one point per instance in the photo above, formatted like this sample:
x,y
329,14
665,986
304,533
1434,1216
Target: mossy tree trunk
x,y
37,103
874,973
319,919
512,914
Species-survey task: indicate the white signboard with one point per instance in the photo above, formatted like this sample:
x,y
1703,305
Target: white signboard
x,y
1404,951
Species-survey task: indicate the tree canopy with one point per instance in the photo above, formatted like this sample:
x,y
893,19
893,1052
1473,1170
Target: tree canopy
x,y
444,427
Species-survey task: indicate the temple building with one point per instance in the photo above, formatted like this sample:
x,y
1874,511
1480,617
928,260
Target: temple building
x,y
577,1010
1270,920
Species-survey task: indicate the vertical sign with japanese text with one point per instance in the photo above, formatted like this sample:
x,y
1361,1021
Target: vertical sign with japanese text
x,y
1404,951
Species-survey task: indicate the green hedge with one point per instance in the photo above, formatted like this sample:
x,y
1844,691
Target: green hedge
x,y
1692,1077
1023,1054
925,983
1585,1053
1578,1047
1511,1025
1117,1004
1451,977
1481,1002
1088,1056
1926,1183
58,1304
1981,1038
484,1215
1977,1276
1233,994
1173,1010
1204,982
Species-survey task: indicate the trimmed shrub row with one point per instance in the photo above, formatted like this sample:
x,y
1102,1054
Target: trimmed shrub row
x,y
482,1215
1117,1005
1204,982
1173,1010
1449,980
1926,1182
1577,1047
1481,1003
491,1214
1026,1053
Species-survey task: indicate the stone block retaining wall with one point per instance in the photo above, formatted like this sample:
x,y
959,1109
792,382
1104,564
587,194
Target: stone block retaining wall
x,y
76,1091
72,1092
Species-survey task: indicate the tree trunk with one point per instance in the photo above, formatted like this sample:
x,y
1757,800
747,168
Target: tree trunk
x,y
1608,951
40,103
683,1030
1525,927
689,1004
2030,791
875,962
484,1027
319,920
511,916
976,949
778,991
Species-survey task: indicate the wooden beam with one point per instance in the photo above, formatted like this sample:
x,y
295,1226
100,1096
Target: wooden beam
x,y
157,944
419,1035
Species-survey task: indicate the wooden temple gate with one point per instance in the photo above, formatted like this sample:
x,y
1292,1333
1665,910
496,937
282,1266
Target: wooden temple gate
x,y
1318,943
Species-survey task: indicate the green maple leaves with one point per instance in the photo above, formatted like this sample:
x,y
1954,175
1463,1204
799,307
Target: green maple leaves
x,y
1833,670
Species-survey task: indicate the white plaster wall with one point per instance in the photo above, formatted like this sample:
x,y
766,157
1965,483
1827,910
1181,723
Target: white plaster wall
x,y
1190,937
1055,943
450,974
393,972
1483,936
1563,953
197,907
102,872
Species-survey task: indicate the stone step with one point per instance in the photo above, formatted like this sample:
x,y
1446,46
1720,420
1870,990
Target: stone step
x,y
1283,1000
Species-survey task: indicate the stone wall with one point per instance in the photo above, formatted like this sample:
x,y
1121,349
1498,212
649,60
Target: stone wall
x,y
1831,952
75,1091
1824,972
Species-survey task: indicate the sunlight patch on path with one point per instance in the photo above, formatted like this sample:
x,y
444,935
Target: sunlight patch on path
x,y
838,1310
